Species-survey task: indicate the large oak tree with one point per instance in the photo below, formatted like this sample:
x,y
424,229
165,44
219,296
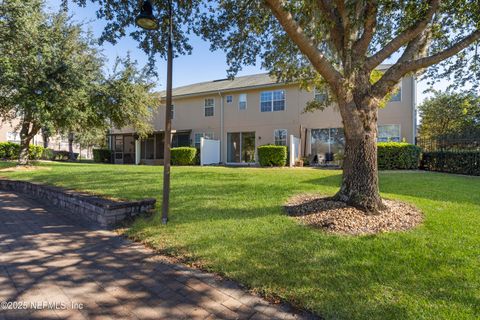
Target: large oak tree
x,y
52,77
335,43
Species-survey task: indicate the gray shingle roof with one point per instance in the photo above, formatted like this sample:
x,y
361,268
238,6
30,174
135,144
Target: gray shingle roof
x,y
226,85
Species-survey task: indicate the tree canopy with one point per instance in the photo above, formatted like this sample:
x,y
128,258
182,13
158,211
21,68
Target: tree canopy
x,y
52,76
450,114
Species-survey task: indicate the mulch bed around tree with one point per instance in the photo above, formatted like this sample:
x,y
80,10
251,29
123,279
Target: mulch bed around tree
x,y
337,217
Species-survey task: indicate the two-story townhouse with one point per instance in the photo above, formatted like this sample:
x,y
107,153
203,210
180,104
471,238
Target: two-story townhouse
x,y
255,110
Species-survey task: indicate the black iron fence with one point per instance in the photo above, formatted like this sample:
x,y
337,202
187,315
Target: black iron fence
x,y
451,154
449,144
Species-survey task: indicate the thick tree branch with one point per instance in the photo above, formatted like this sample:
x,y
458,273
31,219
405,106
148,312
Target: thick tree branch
x,y
400,69
336,28
306,46
404,37
370,22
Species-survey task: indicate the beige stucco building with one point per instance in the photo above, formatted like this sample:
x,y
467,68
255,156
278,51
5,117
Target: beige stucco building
x,y
9,132
255,110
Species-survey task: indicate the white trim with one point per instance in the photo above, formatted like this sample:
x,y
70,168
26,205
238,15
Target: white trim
x,y
286,136
246,101
205,107
272,108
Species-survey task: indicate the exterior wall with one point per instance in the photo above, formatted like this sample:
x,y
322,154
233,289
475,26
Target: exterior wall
x,y
189,115
55,142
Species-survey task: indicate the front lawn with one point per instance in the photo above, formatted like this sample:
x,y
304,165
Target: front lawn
x,y
230,220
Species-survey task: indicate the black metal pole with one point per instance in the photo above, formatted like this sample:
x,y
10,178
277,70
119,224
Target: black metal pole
x,y
168,122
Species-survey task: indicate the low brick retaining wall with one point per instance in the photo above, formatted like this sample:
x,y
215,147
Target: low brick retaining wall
x,y
100,211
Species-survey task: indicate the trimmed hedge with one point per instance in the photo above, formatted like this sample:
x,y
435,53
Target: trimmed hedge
x,y
398,155
272,156
102,155
10,151
460,162
183,156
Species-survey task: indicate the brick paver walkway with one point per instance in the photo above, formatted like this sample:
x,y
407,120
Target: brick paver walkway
x,y
58,265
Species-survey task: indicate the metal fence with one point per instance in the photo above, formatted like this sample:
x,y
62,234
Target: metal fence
x,y
449,143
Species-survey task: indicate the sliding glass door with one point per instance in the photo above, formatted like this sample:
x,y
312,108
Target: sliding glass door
x,y
240,147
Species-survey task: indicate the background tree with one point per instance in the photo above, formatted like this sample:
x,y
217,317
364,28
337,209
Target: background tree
x,y
450,114
333,43
51,76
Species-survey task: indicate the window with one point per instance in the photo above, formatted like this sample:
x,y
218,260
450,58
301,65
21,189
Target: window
x,y
172,112
198,136
398,95
242,101
280,136
389,132
13,137
209,107
320,95
272,101
229,99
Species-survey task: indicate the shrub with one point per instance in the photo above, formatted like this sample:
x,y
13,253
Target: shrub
x,y
35,152
273,156
102,155
62,155
183,156
461,162
398,155
47,154
9,150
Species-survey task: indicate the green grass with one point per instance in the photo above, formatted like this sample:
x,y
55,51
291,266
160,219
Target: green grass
x,y
7,164
230,220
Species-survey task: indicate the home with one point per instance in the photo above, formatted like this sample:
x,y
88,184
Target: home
x,y
255,110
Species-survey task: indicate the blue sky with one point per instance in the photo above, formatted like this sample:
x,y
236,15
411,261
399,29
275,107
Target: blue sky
x,y
201,65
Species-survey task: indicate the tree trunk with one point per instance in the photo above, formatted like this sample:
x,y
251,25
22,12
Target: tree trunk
x,y
360,174
46,138
70,146
25,138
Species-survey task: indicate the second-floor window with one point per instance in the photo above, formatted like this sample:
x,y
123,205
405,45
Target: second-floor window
x,y
242,101
229,99
398,94
272,101
209,107
172,112
320,95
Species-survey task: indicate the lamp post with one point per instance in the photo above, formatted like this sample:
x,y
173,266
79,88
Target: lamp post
x,y
147,21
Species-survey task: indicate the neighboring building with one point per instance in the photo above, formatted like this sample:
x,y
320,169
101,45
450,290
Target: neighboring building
x,y
255,110
9,133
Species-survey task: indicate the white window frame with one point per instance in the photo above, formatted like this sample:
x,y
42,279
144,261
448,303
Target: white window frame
x,y
390,124
206,135
231,99
317,91
240,101
173,112
273,100
205,107
400,93
275,138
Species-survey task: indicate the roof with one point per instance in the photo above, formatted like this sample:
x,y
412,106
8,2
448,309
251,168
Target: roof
x,y
223,85
239,83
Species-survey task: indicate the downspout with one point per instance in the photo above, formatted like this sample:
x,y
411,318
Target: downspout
x,y
221,126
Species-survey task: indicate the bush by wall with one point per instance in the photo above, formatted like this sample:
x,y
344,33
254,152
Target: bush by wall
x,y
461,162
102,155
183,156
10,151
398,155
272,156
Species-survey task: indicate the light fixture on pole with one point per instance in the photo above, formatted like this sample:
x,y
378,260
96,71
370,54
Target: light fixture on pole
x,y
147,21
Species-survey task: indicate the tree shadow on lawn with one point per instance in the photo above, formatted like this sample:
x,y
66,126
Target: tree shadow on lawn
x,y
420,184
397,276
